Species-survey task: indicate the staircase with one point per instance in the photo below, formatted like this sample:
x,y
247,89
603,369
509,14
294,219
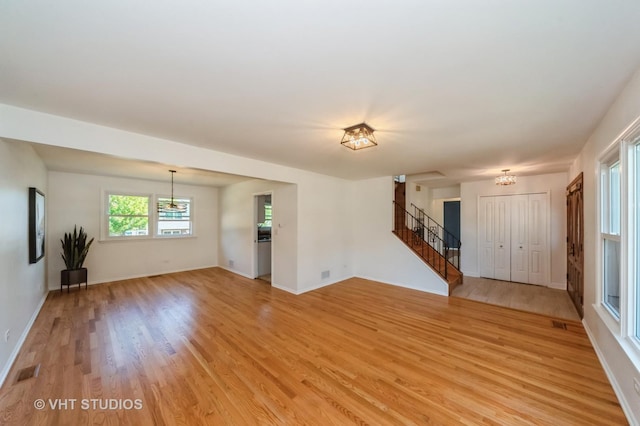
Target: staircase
x,y
430,241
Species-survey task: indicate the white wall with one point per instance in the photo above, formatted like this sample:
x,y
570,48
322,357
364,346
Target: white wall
x,y
76,199
325,222
556,183
325,211
22,285
618,365
310,233
323,219
238,227
379,254
431,200
421,199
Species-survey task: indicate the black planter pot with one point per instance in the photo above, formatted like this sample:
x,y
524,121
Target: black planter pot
x,y
69,277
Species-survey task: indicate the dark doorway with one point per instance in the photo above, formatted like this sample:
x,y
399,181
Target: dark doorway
x,y
575,240
399,198
452,222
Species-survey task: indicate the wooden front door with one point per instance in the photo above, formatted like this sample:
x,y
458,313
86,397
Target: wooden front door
x,y
575,240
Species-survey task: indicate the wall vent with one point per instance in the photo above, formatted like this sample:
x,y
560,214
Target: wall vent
x,y
559,324
28,373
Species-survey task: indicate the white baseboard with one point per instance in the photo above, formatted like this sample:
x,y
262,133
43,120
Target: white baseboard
x,y
150,274
325,284
626,408
287,289
233,271
14,354
444,292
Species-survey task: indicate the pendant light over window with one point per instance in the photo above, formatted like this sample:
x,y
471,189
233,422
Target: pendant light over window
x,y
172,206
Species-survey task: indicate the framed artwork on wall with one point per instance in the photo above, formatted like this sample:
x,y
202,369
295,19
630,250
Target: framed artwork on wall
x,y
36,225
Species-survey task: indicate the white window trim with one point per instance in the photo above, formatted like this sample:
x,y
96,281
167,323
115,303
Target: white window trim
x,y
156,217
631,221
606,160
104,216
624,329
153,217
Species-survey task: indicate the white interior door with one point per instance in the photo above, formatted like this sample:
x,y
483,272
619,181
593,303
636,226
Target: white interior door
x,y
502,238
485,235
538,239
513,236
520,238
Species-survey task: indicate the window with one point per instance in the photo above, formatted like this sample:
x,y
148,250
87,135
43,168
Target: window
x,y
267,216
177,221
131,216
610,234
635,213
619,243
127,215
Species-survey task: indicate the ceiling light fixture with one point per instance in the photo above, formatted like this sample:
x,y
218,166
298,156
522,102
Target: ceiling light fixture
x,y
505,179
172,206
359,136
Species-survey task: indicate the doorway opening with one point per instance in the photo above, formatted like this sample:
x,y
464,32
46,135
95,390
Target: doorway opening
x,y
263,220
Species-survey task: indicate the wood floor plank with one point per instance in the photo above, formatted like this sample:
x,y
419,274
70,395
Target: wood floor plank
x,y
211,347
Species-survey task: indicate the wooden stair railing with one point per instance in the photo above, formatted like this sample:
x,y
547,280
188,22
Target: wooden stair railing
x,y
433,250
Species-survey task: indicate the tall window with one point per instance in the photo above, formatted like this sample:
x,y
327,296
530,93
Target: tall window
x,y
620,240
610,234
174,221
635,212
127,215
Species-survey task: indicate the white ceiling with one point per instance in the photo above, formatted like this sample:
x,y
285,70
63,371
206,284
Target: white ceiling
x,y
463,87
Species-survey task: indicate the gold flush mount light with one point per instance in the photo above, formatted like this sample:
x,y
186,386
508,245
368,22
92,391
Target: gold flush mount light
x,y
359,136
505,179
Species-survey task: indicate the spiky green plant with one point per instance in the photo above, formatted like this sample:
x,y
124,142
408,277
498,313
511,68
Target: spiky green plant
x,y
75,248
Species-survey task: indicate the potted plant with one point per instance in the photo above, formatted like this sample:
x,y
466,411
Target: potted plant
x,y
74,251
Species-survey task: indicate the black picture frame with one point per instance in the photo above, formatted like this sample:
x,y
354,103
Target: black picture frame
x,y
37,230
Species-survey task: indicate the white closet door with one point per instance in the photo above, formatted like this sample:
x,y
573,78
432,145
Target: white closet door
x,y
502,238
538,236
520,238
485,226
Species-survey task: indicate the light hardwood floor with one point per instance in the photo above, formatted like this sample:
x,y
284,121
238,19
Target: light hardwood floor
x,y
210,347
530,298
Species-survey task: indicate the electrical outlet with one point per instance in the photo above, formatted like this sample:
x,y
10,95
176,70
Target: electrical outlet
x,y
636,385
7,335
231,262
324,275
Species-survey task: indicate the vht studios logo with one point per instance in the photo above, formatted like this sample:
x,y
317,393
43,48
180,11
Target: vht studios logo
x,y
87,404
